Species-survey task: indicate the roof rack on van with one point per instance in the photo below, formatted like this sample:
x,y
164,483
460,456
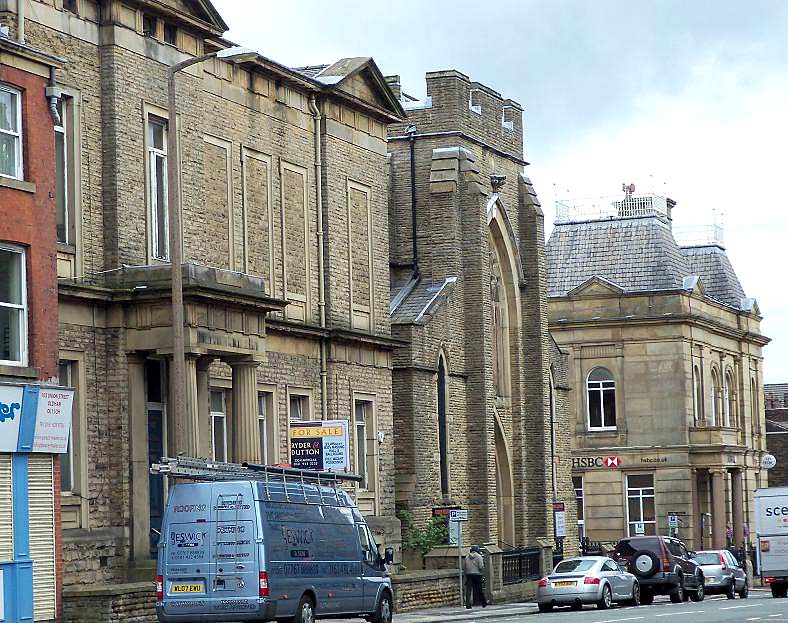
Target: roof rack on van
x,y
190,468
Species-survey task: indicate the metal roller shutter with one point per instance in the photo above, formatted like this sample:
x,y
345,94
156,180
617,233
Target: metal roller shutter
x,y
42,535
6,509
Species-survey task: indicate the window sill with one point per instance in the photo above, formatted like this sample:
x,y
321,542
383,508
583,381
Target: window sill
x,y
20,371
603,431
15,184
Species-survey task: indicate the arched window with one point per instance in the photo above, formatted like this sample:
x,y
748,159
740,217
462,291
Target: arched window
x,y
442,427
715,398
500,342
697,395
728,400
755,422
601,392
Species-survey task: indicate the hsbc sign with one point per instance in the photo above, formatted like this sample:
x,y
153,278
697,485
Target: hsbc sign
x,y
586,462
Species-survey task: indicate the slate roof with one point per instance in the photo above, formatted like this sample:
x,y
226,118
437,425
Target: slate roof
x,y
635,253
422,299
638,254
311,71
711,263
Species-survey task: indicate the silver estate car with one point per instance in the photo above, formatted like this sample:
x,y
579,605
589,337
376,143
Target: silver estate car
x,y
723,573
587,580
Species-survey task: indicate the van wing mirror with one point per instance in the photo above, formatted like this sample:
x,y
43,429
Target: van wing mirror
x,y
388,555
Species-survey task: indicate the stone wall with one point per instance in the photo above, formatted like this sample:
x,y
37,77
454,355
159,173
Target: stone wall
x,y
121,603
426,589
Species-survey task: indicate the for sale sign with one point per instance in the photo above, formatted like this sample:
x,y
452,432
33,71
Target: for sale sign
x,y
35,418
320,446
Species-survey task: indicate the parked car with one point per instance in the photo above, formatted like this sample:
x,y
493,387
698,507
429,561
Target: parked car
x,y
252,550
723,573
587,580
663,566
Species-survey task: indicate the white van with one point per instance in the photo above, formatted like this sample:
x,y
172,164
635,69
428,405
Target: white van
x,y
263,543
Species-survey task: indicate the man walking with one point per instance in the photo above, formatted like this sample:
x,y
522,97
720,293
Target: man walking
x,y
474,572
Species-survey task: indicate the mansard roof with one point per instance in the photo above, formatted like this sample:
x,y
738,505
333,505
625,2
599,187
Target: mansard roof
x,y
638,254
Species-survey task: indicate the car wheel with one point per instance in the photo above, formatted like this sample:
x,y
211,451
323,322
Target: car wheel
x,y
646,597
305,613
384,610
730,592
644,564
545,607
745,591
606,599
677,594
699,594
635,601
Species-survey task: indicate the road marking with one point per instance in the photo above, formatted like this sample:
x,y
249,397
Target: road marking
x,y
734,607
670,614
616,620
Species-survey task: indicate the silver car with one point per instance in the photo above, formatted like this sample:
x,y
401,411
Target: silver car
x,y
587,580
723,573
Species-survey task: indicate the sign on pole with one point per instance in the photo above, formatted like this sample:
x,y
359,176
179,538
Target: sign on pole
x,y
458,514
559,519
320,446
673,521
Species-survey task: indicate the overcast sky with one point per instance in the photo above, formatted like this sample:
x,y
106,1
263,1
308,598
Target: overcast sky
x,y
687,98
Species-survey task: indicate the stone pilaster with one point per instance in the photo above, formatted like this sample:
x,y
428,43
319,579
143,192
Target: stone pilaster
x,y
246,430
139,468
203,405
189,442
718,522
737,504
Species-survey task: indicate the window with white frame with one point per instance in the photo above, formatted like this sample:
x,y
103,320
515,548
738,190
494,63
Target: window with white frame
x,y
157,187
365,442
62,208
218,425
601,393
697,395
10,132
13,306
298,407
728,406
641,508
577,483
265,419
67,460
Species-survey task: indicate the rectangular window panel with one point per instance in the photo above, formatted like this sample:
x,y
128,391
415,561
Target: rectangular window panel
x,y
609,407
12,306
157,192
218,426
361,443
10,134
299,408
263,417
594,409
67,459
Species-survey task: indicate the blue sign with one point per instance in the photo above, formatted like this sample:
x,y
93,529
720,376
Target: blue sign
x,y
35,418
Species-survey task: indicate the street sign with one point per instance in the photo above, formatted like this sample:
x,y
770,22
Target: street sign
x,y
560,524
640,528
673,521
768,461
458,514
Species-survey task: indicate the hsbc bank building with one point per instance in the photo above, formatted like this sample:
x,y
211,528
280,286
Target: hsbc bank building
x,y
666,372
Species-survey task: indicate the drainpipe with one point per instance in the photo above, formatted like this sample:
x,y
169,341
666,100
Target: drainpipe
x,y
411,132
321,277
53,94
20,20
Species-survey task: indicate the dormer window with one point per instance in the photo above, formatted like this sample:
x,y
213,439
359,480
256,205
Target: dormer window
x,y
170,34
148,25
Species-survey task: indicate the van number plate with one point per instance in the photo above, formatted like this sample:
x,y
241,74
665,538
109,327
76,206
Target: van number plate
x,y
187,588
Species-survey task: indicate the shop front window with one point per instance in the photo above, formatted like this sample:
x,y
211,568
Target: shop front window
x,y
641,508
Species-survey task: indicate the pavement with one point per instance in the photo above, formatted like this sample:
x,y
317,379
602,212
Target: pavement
x,y
760,606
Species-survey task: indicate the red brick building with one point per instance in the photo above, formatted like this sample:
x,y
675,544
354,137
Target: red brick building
x,y
776,403
29,194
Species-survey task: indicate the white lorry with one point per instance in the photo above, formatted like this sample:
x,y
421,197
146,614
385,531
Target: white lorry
x,y
771,529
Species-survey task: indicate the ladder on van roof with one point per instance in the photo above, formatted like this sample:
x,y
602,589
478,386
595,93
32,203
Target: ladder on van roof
x,y
197,469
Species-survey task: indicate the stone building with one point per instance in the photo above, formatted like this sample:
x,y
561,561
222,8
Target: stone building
x,y
776,403
285,244
667,372
479,386
30,546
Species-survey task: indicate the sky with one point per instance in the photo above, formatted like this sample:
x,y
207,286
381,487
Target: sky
x,y
686,99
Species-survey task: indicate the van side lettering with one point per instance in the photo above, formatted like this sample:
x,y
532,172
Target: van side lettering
x,y
190,508
776,511
297,536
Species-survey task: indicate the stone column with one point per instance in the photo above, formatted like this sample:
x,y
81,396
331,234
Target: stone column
x,y
138,433
718,514
737,504
246,430
695,510
204,405
188,431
